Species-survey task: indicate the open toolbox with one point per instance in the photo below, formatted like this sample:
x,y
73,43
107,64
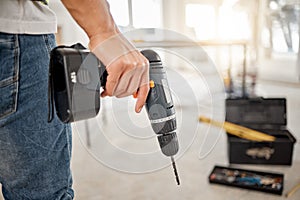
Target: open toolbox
x,y
248,179
267,115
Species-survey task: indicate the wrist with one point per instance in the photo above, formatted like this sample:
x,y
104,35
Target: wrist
x,y
99,38
110,47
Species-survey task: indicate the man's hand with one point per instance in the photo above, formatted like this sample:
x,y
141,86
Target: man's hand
x,y
127,75
128,69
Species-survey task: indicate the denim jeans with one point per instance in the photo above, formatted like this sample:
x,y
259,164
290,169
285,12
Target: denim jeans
x,y
34,154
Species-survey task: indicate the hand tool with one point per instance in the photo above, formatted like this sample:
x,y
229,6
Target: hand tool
x,y
240,131
76,76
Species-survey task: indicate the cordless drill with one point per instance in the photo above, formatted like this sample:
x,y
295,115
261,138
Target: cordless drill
x,y
76,76
160,108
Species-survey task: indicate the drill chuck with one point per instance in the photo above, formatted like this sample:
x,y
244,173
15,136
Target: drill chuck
x,y
168,143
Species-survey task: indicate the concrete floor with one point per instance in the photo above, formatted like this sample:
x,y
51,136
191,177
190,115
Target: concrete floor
x,y
123,161
94,180
98,169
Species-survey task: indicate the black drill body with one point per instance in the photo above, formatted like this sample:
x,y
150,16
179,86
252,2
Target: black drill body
x,y
160,106
161,109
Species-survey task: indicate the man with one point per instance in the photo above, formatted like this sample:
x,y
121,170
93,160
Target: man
x,y
35,155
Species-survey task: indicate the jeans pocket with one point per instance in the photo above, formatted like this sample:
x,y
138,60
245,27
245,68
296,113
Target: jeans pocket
x,y
9,74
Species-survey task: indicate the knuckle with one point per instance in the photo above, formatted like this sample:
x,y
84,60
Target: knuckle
x,y
120,96
109,93
120,90
131,65
125,63
146,61
142,66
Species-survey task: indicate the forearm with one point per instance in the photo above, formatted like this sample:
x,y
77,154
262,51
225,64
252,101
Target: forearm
x,y
94,17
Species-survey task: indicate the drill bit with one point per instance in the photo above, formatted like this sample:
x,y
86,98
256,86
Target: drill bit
x,y
175,170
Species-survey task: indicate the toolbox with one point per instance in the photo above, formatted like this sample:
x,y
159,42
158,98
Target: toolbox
x,y
248,179
267,115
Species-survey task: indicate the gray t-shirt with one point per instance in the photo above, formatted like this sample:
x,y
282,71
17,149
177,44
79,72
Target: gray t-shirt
x,y
26,17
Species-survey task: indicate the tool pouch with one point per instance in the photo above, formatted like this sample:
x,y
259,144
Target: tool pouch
x,y
75,77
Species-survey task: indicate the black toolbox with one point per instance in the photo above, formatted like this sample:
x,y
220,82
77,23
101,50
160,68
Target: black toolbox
x,y
248,179
267,115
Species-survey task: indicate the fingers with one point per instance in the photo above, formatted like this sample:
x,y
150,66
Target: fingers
x,y
141,97
142,92
129,83
126,75
114,74
127,68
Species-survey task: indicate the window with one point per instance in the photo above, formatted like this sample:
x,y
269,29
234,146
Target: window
x,y
284,36
144,13
233,24
120,12
283,25
147,13
230,24
202,19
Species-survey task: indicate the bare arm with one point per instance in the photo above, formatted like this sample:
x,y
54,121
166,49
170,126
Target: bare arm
x,y
128,69
93,16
